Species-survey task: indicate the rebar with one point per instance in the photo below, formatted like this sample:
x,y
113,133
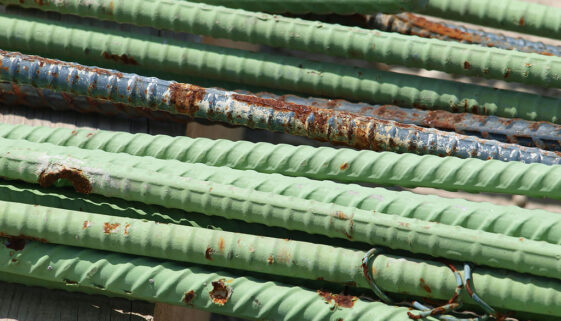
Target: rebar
x,y
514,15
336,127
264,255
190,286
415,25
321,163
98,47
94,172
317,37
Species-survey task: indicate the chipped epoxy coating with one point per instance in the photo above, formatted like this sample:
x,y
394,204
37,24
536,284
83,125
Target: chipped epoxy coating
x,y
337,127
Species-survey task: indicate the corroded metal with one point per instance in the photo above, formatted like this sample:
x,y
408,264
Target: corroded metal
x,y
337,127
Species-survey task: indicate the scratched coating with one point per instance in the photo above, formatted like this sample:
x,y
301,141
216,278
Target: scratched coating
x,y
337,127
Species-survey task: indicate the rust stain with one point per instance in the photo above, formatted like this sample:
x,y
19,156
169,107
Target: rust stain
x,y
507,73
185,97
221,244
425,286
338,300
86,224
344,166
127,226
208,253
220,293
188,297
522,22
124,59
17,243
270,259
441,29
467,65
79,180
109,228
340,215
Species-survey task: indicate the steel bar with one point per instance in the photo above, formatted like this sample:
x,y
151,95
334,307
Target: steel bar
x,y
542,135
93,172
317,37
336,127
321,163
266,255
410,24
110,48
514,15
151,280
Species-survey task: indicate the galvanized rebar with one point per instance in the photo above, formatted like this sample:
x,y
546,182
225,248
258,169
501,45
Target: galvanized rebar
x,y
515,15
410,24
151,280
313,36
266,255
102,47
320,163
542,135
94,172
218,105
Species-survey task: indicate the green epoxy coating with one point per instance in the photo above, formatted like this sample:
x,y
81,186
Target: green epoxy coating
x,y
113,176
319,163
94,46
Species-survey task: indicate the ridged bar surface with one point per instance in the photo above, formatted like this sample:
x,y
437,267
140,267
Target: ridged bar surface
x,y
410,24
337,127
514,15
128,51
267,255
94,172
542,135
190,286
321,163
313,36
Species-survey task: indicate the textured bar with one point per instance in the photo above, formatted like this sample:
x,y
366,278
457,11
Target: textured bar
x,y
269,255
103,47
195,287
317,37
515,15
337,127
321,163
410,24
111,175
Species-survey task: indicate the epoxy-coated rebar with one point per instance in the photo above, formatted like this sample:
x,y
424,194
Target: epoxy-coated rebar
x,y
313,36
218,105
515,15
320,163
33,162
265,255
151,280
110,48
415,25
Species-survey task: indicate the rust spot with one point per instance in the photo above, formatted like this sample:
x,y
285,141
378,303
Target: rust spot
x,y
208,253
220,293
17,243
425,286
70,282
127,226
507,73
344,166
188,297
79,181
340,215
338,300
522,22
270,259
109,228
221,245
185,97
467,66
124,59
86,224
441,29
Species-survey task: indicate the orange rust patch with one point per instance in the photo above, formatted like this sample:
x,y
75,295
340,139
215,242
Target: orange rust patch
x,y
340,215
441,29
522,22
17,243
338,300
220,293
467,65
344,166
184,98
271,259
507,73
124,59
109,228
86,224
188,297
127,226
79,181
221,244
208,253
425,286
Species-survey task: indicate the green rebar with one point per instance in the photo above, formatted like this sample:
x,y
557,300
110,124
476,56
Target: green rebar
x,y
320,163
268,255
110,48
92,172
515,15
191,286
324,38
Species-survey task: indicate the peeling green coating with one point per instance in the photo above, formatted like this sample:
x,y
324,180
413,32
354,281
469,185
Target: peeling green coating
x,y
113,176
270,255
156,281
318,163
514,15
98,47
